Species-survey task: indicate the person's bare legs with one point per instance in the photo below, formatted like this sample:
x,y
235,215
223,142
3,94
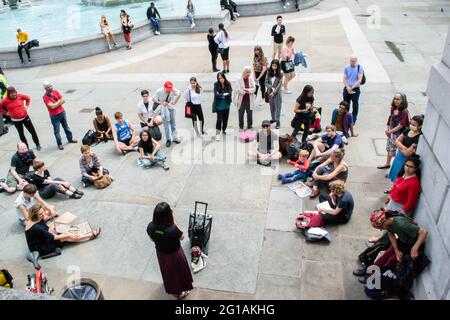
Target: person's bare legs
x,y
113,37
107,40
88,236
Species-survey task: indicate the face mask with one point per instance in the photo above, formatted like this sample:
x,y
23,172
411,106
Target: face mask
x,y
413,128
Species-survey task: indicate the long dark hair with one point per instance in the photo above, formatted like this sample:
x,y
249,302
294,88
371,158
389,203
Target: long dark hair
x,y
149,142
415,158
222,28
227,83
273,73
198,87
303,96
163,215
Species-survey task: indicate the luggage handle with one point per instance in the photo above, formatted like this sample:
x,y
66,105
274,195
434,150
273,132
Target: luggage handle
x,y
195,212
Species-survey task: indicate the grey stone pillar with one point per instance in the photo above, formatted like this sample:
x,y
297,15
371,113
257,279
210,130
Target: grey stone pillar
x,y
433,210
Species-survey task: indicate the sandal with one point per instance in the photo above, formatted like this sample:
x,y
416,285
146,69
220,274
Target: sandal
x,y
96,235
384,167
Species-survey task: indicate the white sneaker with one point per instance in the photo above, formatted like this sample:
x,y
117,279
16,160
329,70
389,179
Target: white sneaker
x,y
218,137
192,26
157,33
237,14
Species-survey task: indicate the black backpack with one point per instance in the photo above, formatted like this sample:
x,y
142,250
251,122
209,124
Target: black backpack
x,y
363,80
292,150
90,138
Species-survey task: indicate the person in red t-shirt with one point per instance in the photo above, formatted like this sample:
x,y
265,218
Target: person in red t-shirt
x,y
54,102
16,105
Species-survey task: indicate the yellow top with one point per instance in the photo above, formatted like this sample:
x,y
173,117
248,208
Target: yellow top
x,y
22,37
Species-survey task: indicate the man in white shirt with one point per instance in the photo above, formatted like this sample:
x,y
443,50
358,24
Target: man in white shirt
x,y
165,100
146,115
28,198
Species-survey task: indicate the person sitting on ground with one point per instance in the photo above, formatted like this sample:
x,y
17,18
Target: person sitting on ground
x,y
150,152
316,121
102,126
90,166
406,237
326,145
20,165
302,172
107,32
124,135
332,169
146,115
28,198
343,120
48,186
45,240
341,202
266,146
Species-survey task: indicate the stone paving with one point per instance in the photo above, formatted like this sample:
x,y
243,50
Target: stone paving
x,y
255,251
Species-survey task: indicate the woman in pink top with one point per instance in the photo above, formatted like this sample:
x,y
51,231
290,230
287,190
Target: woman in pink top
x,y
287,62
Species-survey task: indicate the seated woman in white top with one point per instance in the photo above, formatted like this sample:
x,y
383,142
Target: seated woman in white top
x,y
107,32
193,97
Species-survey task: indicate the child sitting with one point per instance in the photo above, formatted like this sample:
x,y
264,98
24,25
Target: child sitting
x,y
302,172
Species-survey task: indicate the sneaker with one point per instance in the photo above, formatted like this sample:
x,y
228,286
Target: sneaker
x,y
177,141
360,272
75,196
279,177
193,26
277,126
38,148
287,92
168,143
157,33
165,166
29,60
217,137
85,185
237,14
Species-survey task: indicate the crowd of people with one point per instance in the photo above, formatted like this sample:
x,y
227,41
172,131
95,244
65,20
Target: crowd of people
x,y
320,159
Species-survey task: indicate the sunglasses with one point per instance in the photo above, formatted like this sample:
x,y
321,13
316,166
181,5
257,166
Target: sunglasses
x,y
265,126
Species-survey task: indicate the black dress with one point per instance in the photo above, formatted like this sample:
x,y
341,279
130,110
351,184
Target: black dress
x,y
39,239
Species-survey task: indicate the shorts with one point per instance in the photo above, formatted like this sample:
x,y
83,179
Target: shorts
x,y
277,47
226,53
126,142
11,181
127,37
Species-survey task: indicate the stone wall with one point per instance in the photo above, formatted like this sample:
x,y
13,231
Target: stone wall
x,y
433,211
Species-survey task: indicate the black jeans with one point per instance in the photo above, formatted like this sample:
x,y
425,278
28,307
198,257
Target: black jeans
x,y
304,119
245,107
51,189
354,98
214,56
329,218
29,125
197,112
19,51
222,120
262,84
232,8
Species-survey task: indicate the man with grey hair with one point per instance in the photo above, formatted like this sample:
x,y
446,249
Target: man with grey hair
x,y
20,166
54,102
353,75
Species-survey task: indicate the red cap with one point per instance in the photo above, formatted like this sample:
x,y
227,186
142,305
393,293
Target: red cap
x,y
168,85
377,218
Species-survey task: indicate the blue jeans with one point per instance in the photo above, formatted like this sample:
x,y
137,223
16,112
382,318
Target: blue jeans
x,y
155,23
61,119
146,163
294,176
190,18
354,98
170,127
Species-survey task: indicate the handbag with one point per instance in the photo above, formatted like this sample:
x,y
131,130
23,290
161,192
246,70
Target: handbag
x,y
289,66
155,133
266,97
90,138
103,182
188,107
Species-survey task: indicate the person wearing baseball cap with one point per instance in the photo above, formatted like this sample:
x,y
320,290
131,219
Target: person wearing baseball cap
x,y
165,99
16,106
406,237
266,146
54,102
